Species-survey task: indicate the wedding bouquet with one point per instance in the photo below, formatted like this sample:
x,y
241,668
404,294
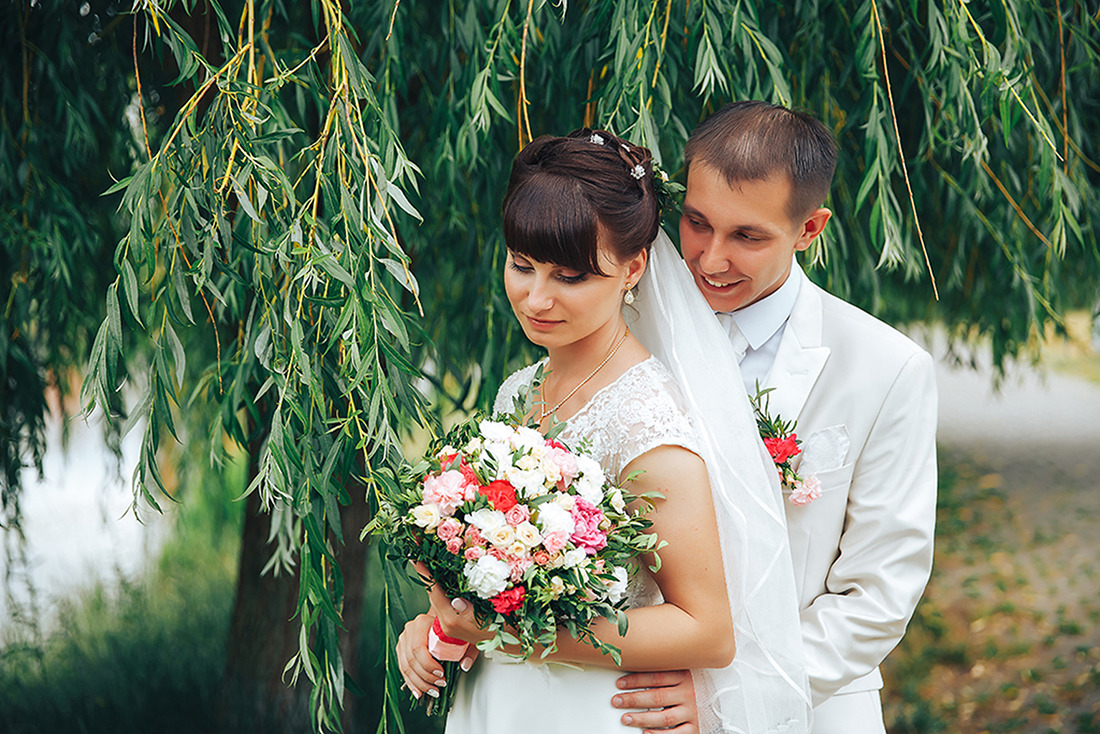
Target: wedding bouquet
x,y
527,529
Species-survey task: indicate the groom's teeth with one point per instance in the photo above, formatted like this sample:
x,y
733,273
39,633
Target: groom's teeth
x,y
714,283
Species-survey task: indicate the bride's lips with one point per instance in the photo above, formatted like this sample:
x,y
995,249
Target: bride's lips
x,y
541,324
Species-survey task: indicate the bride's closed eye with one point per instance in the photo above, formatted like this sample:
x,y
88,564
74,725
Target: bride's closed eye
x,y
521,265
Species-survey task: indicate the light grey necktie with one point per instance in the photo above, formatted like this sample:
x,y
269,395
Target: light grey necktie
x,y
737,339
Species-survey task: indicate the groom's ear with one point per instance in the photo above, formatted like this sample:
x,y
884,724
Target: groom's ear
x,y
812,226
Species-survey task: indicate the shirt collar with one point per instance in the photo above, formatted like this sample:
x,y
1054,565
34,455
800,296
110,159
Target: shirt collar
x,y
761,320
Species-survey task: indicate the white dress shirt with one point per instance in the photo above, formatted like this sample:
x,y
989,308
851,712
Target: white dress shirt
x,y
756,330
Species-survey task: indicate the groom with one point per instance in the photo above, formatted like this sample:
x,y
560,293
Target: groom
x,y
863,394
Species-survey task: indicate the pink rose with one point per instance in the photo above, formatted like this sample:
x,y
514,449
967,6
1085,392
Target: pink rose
x,y
806,491
448,490
587,534
565,461
554,541
454,545
498,553
540,557
449,528
472,554
517,514
474,537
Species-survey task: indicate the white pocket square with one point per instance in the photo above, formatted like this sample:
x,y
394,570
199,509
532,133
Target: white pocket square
x,y
824,450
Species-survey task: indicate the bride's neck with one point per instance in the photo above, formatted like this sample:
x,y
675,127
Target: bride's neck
x,y
578,359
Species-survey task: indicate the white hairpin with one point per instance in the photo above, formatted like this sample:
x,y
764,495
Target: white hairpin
x,y
638,171
596,139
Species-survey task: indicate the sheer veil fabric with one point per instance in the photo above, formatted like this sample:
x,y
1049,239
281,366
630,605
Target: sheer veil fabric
x,y
765,689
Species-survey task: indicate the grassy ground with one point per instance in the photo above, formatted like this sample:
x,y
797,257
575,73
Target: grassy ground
x,y
1007,637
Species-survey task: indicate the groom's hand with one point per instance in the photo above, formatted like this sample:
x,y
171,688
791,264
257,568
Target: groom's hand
x,y
670,696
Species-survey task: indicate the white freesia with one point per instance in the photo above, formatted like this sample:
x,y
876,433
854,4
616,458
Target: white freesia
x,y
557,587
552,517
501,453
487,576
427,516
616,499
486,519
473,446
617,589
528,462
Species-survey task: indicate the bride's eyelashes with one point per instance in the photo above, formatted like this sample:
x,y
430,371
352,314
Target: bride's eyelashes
x,y
527,270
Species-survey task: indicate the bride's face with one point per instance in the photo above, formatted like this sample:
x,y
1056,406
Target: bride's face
x,y
559,306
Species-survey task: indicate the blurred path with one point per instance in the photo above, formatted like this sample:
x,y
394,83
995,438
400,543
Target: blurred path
x,y
1010,633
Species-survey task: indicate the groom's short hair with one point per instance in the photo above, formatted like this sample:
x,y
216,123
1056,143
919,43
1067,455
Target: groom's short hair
x,y
754,140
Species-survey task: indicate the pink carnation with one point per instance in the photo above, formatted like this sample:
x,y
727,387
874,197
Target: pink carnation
x,y
806,491
448,490
587,534
454,545
517,514
554,541
449,528
519,567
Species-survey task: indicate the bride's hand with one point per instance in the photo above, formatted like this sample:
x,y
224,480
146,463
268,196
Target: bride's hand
x,y
422,673
456,616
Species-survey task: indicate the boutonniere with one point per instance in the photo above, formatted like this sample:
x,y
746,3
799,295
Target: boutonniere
x,y
783,444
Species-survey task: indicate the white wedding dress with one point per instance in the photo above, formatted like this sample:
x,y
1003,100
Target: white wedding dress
x,y
638,412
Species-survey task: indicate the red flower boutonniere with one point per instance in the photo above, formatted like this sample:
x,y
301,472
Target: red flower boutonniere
x,y
782,443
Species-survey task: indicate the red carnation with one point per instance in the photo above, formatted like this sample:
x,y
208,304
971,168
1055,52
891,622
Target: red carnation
x,y
510,600
501,495
782,449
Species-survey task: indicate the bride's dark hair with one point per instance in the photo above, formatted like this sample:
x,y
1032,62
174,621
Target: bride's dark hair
x,y
567,193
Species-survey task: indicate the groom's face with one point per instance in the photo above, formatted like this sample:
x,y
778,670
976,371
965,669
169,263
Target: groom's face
x,y
739,241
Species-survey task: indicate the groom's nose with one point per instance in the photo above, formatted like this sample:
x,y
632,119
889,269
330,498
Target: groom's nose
x,y
713,258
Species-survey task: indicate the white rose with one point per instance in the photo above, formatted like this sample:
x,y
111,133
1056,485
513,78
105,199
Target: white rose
x,y
574,557
550,469
565,502
528,534
501,535
486,519
552,517
487,576
617,589
590,489
427,516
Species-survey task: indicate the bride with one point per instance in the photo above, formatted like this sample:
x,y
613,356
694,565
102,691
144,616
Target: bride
x,y
580,215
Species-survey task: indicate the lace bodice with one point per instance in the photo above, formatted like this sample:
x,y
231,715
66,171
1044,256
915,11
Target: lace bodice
x,y
638,412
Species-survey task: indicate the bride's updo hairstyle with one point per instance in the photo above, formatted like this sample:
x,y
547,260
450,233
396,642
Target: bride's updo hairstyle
x,y
565,194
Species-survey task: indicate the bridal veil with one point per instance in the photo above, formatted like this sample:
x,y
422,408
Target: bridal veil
x,y
765,688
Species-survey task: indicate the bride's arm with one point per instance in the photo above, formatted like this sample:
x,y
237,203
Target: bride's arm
x,y
693,627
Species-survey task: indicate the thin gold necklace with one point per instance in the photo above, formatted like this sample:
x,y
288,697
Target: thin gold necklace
x,y
543,412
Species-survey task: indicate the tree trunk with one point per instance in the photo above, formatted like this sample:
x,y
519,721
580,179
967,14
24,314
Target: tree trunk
x,y
263,631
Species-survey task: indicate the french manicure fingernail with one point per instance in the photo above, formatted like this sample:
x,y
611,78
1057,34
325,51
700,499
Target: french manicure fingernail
x,y
437,673
416,694
441,682
466,665
433,693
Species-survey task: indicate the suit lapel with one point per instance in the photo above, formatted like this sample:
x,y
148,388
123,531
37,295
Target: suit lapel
x,y
800,358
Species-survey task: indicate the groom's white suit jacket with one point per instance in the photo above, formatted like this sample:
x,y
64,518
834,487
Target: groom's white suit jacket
x,y
862,551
